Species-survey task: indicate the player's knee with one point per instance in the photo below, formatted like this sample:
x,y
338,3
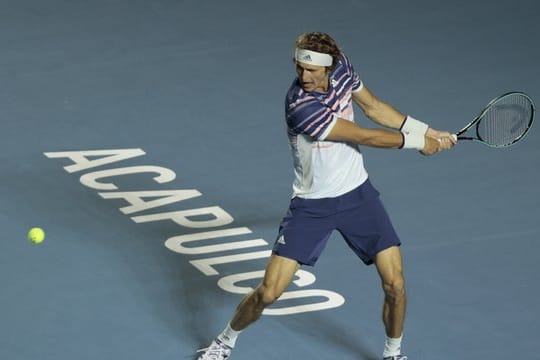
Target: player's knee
x,y
267,295
395,288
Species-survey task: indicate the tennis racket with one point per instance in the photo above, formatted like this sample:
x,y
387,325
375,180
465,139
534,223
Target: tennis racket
x,y
503,122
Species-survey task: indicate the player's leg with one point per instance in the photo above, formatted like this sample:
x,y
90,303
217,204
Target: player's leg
x,y
301,240
390,268
279,274
370,234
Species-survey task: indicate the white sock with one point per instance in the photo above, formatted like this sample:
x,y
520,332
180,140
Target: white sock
x,y
392,347
228,336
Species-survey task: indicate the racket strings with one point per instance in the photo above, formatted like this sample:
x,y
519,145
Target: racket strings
x,y
505,121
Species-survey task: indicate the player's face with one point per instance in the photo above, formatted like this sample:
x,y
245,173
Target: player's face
x,y
312,77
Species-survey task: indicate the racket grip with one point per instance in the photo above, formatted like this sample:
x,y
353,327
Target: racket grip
x,y
454,136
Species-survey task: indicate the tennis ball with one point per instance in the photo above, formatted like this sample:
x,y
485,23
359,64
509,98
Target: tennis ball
x,y
36,235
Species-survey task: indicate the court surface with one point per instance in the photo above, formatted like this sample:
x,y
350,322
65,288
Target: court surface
x,y
187,97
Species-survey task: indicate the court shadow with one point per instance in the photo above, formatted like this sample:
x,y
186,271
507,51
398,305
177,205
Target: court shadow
x,y
322,327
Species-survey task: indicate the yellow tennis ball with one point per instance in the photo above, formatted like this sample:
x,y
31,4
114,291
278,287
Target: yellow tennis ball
x,y
36,235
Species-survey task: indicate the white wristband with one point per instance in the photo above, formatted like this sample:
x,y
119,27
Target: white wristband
x,y
413,141
413,126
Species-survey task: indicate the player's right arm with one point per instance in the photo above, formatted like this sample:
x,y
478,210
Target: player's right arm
x,y
307,115
348,131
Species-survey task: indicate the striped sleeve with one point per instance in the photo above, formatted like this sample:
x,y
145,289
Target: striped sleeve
x,y
311,118
357,84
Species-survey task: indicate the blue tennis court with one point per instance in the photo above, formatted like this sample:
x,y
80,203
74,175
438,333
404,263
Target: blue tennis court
x,y
148,140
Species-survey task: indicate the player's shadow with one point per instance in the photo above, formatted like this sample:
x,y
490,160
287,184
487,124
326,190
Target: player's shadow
x,y
322,327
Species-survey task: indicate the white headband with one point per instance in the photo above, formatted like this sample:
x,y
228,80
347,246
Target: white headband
x,y
313,57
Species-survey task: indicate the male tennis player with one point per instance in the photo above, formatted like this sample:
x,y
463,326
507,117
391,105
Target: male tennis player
x,y
331,189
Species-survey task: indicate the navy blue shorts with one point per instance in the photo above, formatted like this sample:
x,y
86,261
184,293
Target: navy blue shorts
x,y
358,215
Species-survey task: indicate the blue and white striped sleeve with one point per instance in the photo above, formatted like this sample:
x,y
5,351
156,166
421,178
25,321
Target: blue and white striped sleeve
x,y
311,118
357,84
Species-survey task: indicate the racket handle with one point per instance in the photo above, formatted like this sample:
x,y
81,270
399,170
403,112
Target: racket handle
x,y
454,136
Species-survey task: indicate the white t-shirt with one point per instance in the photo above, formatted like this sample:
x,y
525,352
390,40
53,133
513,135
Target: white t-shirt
x,y
324,169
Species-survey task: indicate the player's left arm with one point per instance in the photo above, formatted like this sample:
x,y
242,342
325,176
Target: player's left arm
x,y
377,110
386,115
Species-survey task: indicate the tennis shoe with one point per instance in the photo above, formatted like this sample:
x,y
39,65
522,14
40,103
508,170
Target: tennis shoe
x,y
216,351
397,357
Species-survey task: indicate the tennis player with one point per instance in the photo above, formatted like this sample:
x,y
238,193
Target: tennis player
x,y
331,189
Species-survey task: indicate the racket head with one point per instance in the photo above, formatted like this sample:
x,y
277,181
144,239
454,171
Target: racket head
x,y
503,122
